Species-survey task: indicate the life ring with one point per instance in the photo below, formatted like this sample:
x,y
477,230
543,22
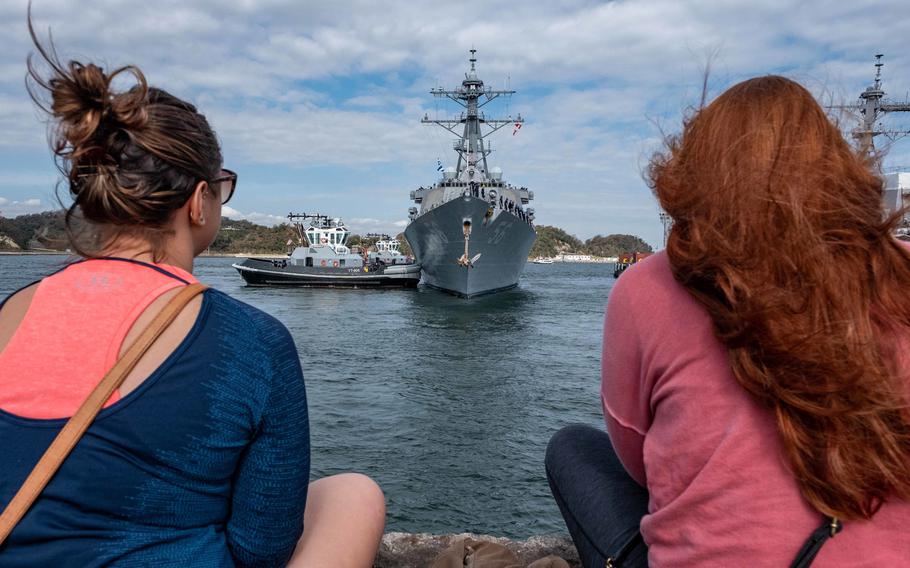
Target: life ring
x,y
322,263
324,240
335,263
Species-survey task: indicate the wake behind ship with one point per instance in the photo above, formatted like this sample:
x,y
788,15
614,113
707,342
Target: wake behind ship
x,y
472,233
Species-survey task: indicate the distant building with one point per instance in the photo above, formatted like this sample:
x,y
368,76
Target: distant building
x,y
573,258
897,191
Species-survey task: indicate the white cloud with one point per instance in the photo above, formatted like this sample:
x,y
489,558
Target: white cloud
x,y
266,219
343,84
14,208
359,225
363,225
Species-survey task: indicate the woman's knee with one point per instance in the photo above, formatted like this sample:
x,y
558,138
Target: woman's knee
x,y
568,443
369,492
357,489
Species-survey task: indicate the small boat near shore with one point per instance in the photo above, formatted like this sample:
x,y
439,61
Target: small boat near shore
x,y
322,259
625,260
542,260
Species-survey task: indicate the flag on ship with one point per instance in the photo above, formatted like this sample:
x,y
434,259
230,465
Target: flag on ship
x,y
438,165
517,128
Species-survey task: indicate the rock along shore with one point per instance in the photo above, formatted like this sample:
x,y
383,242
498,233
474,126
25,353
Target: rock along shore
x,y
418,550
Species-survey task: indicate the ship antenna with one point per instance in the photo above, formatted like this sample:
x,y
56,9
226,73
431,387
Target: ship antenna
x,y
878,70
871,107
470,144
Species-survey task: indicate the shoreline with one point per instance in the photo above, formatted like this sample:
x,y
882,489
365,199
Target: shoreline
x,y
203,255
251,255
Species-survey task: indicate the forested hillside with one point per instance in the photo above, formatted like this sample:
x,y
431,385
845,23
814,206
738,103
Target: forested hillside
x,y
552,241
46,231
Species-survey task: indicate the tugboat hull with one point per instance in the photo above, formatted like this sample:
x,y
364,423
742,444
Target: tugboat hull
x,y
283,272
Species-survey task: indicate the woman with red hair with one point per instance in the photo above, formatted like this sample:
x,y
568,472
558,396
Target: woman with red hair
x,y
761,398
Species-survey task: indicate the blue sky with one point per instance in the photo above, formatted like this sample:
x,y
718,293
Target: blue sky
x,y
318,104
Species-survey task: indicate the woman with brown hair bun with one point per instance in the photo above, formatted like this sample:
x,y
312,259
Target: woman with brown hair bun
x,y
755,376
200,455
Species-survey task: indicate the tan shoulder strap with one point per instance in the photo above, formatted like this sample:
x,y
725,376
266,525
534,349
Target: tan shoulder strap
x,y
77,425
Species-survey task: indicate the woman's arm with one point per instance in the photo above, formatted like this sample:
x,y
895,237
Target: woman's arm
x,y
270,486
625,402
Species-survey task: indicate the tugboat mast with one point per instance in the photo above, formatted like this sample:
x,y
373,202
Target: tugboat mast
x,y
470,144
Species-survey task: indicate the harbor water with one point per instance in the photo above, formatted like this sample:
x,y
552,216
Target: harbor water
x,y
448,403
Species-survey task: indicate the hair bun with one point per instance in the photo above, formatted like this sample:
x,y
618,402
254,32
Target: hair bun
x,y
87,107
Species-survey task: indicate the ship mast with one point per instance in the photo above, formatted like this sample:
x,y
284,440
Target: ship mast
x,y
298,219
872,106
470,143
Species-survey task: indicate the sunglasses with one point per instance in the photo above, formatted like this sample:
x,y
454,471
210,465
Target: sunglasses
x,y
224,185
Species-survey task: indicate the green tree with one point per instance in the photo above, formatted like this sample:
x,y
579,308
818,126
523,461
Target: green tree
x,y
552,241
44,230
614,245
354,240
404,245
238,237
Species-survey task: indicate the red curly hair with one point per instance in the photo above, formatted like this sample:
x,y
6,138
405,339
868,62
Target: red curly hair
x,y
779,233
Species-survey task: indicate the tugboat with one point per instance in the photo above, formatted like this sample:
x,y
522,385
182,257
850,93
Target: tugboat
x,y
388,250
322,259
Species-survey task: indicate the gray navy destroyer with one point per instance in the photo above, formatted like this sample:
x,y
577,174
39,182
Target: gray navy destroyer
x,y
472,232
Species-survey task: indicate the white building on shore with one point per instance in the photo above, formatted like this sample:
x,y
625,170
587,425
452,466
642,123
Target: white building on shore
x,y
897,191
576,257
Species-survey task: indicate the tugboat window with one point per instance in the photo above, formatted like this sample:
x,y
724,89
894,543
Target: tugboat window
x,y
341,262
309,261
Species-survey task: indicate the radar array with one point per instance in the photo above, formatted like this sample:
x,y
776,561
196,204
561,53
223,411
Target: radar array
x,y
470,142
872,106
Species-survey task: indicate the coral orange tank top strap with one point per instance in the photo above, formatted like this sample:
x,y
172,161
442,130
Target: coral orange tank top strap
x,y
73,331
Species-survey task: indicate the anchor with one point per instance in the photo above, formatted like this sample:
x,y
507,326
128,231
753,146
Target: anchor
x,y
465,260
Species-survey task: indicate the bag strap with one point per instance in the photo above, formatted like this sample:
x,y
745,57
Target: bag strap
x,y
77,425
618,560
804,557
813,545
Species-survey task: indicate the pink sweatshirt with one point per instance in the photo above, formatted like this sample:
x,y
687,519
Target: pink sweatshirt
x,y
720,492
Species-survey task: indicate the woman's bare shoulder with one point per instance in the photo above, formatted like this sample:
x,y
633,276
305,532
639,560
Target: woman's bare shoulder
x,y
13,312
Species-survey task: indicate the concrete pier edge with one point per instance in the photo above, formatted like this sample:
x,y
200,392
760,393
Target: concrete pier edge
x,y
418,550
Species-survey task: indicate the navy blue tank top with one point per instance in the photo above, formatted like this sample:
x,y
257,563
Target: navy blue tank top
x,y
206,463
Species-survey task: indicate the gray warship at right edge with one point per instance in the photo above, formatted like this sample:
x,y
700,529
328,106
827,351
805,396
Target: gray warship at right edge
x,y
472,232
503,243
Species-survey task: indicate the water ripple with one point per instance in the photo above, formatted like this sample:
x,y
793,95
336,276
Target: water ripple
x,y
447,402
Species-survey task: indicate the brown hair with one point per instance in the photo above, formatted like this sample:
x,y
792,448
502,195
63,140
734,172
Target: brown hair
x,y
130,158
779,233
